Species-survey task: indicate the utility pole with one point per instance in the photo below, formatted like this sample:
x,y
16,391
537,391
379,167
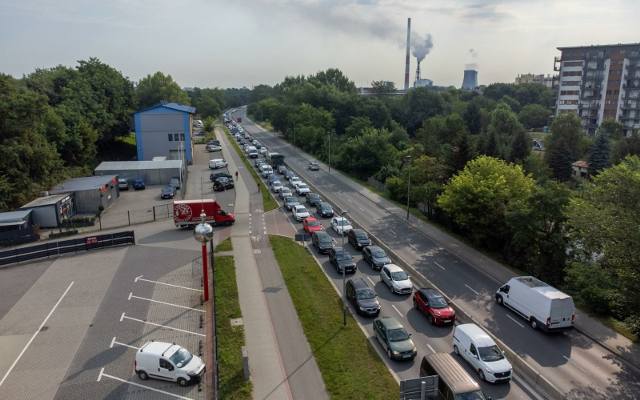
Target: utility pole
x,y
330,134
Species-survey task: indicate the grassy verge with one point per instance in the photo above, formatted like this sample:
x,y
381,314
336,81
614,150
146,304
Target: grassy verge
x,y
230,339
350,367
268,202
225,245
618,326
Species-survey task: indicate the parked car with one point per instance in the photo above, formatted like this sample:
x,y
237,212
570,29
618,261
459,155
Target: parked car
x,y
138,184
362,297
290,202
276,186
302,189
168,192
342,260
314,166
288,174
272,178
300,212
358,238
294,182
222,183
217,175
169,362
282,169
341,225
396,279
217,163
285,192
324,210
433,304
310,225
477,348
375,257
266,172
394,339
313,199
263,150
544,306
213,147
253,153
123,184
322,241
175,182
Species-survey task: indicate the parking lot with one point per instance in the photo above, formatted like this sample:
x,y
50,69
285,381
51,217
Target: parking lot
x,y
137,206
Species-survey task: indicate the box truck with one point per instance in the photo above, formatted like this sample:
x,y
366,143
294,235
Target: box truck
x,y
187,213
544,306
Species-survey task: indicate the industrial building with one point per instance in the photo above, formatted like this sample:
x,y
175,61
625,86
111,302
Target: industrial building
x,y
540,79
49,211
470,79
599,83
154,172
16,227
165,130
90,192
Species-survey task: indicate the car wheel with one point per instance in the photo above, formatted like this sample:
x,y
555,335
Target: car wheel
x,y
481,375
534,323
389,354
433,320
455,349
143,375
499,300
182,382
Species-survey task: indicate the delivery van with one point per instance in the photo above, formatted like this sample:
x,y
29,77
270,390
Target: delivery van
x,y
453,381
544,306
169,362
187,213
477,348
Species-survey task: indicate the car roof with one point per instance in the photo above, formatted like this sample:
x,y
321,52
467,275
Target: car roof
x,y
310,218
479,336
391,323
374,248
430,292
159,348
360,283
300,206
322,234
393,268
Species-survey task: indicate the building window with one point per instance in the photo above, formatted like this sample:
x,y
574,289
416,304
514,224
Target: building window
x,y
569,92
171,137
572,73
570,83
176,137
182,137
572,63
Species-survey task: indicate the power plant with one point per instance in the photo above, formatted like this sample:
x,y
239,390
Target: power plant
x,y
470,80
419,82
408,58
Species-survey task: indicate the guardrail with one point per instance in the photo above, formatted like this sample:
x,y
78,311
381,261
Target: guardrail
x,y
54,249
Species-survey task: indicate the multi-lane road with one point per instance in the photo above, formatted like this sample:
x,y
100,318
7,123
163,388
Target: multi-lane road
x,y
574,364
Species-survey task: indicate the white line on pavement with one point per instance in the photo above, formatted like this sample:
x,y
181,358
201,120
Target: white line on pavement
x,y
158,325
472,289
430,348
514,320
438,265
132,296
413,247
398,311
140,278
113,341
35,334
371,280
102,373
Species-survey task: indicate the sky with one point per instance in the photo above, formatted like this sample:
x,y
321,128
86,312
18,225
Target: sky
x,y
235,43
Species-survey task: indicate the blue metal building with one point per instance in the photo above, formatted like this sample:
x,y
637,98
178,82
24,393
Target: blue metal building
x,y
165,130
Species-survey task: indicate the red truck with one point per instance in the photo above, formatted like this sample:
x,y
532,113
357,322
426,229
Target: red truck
x,y
187,213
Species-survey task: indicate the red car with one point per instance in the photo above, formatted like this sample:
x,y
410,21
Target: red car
x,y
311,224
434,305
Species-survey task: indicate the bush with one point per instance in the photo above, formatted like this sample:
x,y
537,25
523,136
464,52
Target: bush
x,y
78,221
55,235
588,285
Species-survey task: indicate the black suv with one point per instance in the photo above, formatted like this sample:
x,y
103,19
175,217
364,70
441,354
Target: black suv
x,y
222,183
217,175
322,241
342,260
358,238
313,199
324,210
362,297
375,256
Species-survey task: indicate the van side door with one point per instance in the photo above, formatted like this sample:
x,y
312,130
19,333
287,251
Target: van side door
x,y
472,356
165,370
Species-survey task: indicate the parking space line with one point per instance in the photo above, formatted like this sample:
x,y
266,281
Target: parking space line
x,y
124,316
438,265
371,280
514,320
102,373
472,289
132,296
430,348
398,311
13,365
113,341
140,278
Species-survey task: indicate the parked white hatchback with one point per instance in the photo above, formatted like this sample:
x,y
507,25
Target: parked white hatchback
x,y
477,348
341,225
217,163
168,362
396,279
300,213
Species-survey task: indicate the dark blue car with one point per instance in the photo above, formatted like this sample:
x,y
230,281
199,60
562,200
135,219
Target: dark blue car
x,y
168,192
138,184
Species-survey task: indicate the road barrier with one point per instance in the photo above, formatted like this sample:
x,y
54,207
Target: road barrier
x,y
54,249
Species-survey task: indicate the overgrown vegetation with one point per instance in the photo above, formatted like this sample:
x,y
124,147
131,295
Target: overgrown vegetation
x,y
350,367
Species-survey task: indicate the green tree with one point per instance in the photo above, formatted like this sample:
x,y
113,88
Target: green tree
x,y
520,147
564,145
458,154
365,154
421,104
383,87
599,157
358,126
625,147
157,88
612,128
473,118
208,102
534,116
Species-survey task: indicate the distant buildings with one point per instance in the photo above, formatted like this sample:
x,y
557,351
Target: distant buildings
x,y
541,79
599,83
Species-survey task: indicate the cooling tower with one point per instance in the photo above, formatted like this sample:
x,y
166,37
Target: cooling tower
x,y
470,80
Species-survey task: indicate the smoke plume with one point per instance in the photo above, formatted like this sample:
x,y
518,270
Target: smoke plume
x,y
421,45
473,53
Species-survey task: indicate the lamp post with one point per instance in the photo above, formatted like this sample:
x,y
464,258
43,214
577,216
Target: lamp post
x,y
344,279
330,134
203,233
408,160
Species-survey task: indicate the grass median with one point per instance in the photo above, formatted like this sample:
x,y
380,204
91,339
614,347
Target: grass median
x,y
225,245
230,339
268,203
350,367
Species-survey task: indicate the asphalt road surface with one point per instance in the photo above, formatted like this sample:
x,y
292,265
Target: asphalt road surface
x,y
571,361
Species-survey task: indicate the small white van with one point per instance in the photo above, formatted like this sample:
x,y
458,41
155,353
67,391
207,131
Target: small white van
x,y
477,348
168,362
544,306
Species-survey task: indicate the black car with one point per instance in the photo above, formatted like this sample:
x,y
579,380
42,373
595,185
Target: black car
x,y
324,210
362,297
342,260
313,199
167,192
375,257
322,241
217,175
358,238
214,142
222,183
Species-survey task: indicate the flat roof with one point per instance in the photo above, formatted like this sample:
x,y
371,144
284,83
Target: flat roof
x,y
82,183
45,200
598,46
13,217
138,165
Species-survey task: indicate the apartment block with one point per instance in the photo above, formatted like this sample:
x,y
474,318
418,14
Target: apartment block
x,y
540,79
599,83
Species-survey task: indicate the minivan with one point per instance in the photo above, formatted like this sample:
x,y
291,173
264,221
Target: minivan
x,y
453,381
477,348
168,362
362,297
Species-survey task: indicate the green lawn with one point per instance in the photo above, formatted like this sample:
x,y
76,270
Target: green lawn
x,y
350,367
225,245
230,339
268,202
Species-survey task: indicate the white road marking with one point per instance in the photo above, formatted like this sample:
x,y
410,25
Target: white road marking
x,y
371,280
472,289
158,325
396,308
430,348
132,296
140,278
102,373
438,265
113,341
514,320
413,247
35,334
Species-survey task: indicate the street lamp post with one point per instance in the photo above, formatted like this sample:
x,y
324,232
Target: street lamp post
x,y
344,280
203,233
330,134
408,159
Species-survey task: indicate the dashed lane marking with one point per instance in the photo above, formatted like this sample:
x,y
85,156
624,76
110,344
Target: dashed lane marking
x,y
472,289
514,320
438,265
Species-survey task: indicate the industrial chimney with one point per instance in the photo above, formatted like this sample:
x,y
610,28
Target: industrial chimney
x,y
408,57
470,80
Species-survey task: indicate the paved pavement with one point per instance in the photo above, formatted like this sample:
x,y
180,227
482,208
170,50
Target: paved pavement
x,y
280,359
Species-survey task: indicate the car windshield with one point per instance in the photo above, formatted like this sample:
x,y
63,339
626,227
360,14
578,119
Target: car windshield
x,y
397,335
301,210
437,302
477,395
342,222
313,223
491,353
181,358
361,235
343,256
399,276
366,294
378,253
324,239
290,200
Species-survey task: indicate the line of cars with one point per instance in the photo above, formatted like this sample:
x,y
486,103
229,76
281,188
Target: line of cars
x,y
220,180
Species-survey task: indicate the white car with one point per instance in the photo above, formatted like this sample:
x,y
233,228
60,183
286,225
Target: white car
x,y
295,182
302,189
276,186
300,213
169,362
396,279
263,150
477,348
217,163
341,225
266,172
292,177
285,192
213,147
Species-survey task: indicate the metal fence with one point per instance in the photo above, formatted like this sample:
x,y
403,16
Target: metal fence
x,y
54,249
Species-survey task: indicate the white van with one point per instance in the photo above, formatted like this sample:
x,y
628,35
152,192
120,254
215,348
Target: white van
x,y
168,362
217,163
477,348
542,305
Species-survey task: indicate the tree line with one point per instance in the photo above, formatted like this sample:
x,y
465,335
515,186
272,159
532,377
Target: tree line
x,y
469,159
